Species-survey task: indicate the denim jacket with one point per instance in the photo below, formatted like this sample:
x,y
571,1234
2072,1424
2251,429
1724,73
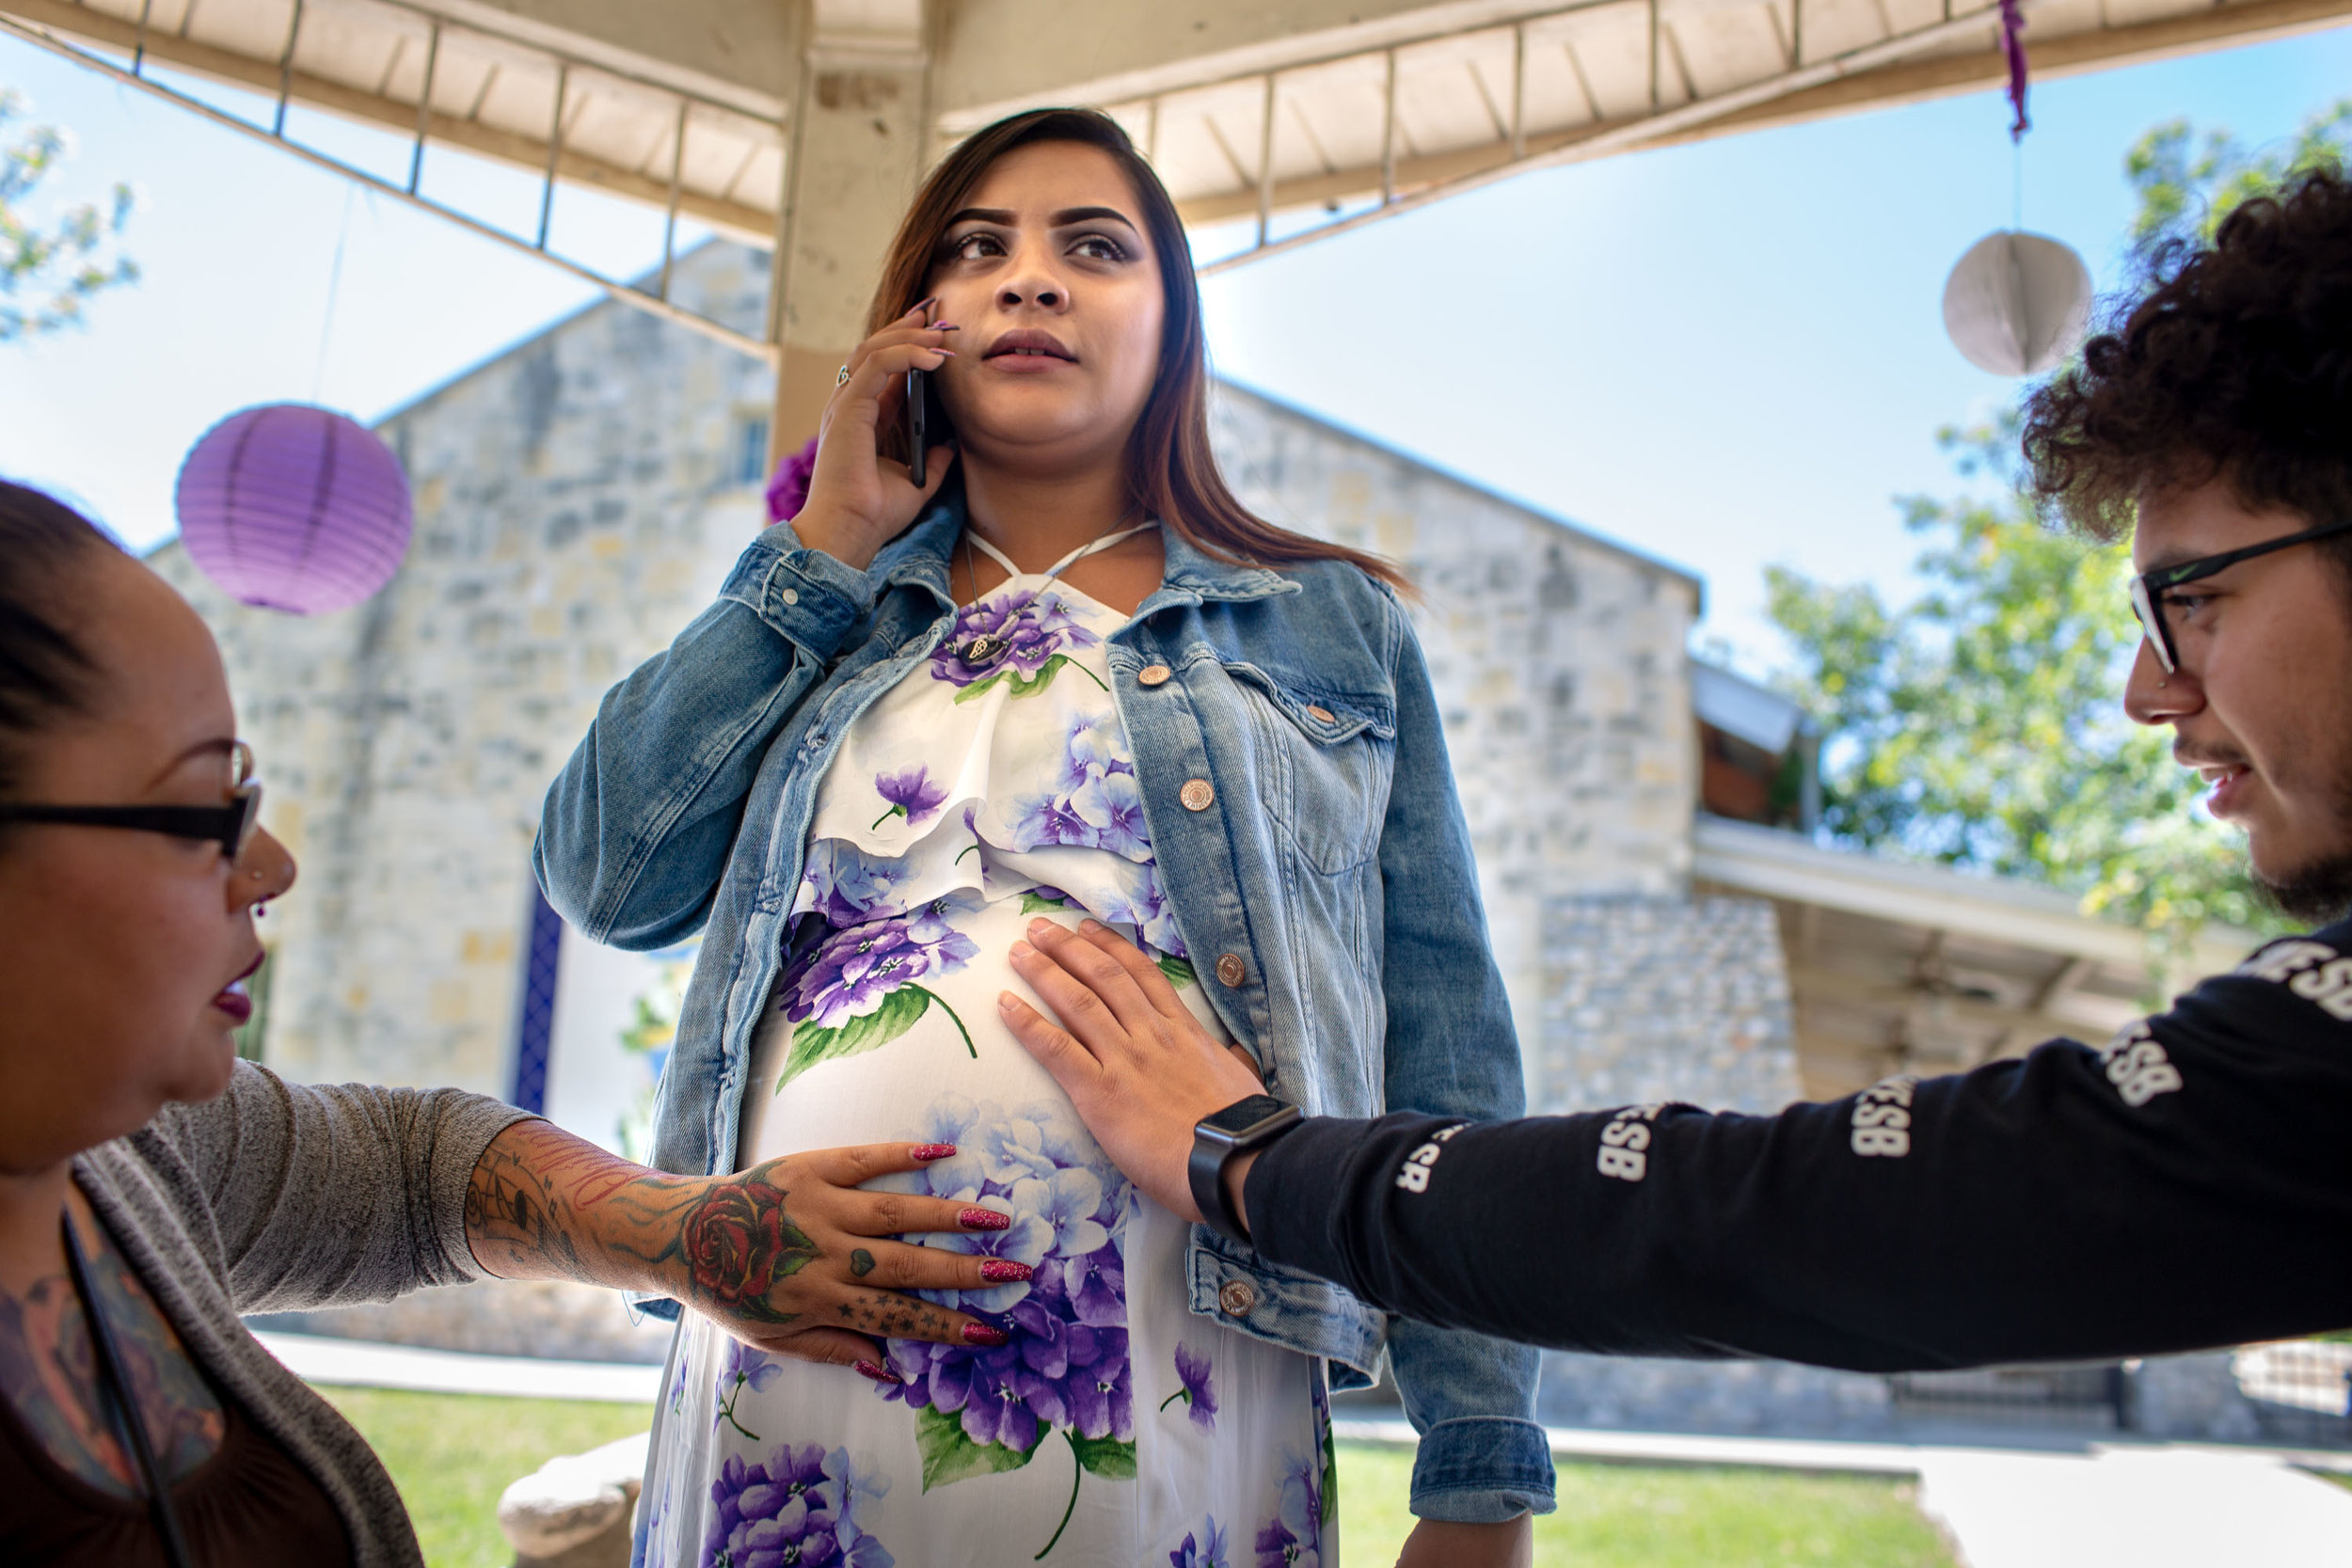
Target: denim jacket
x,y
1332,861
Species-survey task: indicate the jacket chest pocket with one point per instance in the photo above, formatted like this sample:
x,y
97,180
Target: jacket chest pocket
x,y
1327,761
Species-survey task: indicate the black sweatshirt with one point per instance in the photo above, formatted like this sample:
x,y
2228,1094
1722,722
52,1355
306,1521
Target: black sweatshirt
x,y
2187,1185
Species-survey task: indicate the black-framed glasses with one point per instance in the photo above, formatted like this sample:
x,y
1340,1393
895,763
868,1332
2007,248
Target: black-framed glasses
x,y
2149,588
230,826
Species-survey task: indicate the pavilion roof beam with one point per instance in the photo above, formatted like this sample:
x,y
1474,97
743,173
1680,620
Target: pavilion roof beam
x,y
728,137
131,73
1689,84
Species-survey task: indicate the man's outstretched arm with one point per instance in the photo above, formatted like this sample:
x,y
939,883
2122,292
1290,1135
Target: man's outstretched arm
x,y
2181,1186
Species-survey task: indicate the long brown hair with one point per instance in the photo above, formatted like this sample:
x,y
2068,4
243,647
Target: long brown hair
x,y
1172,473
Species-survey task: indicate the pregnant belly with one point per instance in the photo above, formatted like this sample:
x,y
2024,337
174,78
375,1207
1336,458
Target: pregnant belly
x,y
889,1031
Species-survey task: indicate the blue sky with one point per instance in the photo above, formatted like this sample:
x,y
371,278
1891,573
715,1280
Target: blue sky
x,y
1727,355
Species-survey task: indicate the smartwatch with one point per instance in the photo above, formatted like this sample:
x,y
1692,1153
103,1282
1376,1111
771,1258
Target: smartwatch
x,y
1244,1125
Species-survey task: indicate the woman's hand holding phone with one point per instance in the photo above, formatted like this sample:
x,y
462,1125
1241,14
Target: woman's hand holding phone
x,y
859,500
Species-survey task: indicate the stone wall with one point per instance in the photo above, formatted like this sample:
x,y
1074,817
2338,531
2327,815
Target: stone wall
x,y
1557,657
1648,999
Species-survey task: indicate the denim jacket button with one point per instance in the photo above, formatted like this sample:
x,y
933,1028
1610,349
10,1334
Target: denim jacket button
x,y
1152,675
1236,1297
1231,970
1196,794
790,595
1320,714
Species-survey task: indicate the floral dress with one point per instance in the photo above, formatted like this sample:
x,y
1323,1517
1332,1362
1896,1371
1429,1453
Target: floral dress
x,y
993,784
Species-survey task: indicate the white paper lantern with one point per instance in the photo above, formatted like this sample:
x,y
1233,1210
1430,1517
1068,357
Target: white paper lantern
x,y
2017,302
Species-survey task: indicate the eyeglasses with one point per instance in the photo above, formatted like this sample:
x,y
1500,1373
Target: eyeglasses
x,y
2149,588
230,826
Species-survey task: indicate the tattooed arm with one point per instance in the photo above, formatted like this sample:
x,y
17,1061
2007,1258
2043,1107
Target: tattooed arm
x,y
788,1255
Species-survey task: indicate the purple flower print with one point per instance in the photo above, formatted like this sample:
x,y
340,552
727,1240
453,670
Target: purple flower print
x,y
950,1120
911,794
795,1508
1096,1384
746,1369
847,887
1012,1149
1278,1548
1096,745
1065,1367
849,972
1047,820
1111,806
993,1392
1068,1143
1207,1551
1293,1537
1142,905
1017,632
1199,1392
1096,1286
1026,1240
858,1484
1067,1201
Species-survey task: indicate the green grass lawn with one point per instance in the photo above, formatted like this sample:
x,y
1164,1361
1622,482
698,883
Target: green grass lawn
x,y
1668,1517
452,1456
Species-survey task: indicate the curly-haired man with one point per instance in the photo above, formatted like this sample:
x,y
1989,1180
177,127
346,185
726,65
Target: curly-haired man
x,y
2183,1185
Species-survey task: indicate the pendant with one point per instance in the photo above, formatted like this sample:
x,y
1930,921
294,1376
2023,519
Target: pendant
x,y
982,651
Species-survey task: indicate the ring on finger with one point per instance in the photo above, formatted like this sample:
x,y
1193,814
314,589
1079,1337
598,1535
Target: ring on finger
x,y
843,378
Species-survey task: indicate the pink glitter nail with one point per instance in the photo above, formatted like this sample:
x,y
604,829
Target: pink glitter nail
x,y
983,1219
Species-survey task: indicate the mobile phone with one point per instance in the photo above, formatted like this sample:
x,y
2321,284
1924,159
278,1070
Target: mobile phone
x,y
917,396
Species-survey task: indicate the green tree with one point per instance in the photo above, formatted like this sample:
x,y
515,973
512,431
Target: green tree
x,y
1981,725
2187,183
49,270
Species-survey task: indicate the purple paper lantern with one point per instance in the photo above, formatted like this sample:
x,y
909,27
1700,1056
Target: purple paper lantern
x,y
294,508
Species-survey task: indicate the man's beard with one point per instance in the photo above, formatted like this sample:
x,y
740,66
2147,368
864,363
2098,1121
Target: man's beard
x,y
2315,894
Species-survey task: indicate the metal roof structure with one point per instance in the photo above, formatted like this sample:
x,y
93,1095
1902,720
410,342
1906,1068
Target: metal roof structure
x,y
1895,968
1312,116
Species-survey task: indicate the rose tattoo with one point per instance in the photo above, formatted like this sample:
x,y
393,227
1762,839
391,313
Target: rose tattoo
x,y
739,1241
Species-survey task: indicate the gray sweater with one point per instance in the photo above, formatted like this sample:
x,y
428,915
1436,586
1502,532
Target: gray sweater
x,y
278,1196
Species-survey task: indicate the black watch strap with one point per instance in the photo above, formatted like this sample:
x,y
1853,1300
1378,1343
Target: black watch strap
x,y
1244,1125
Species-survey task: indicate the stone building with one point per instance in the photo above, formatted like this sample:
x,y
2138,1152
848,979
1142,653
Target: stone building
x,y
577,500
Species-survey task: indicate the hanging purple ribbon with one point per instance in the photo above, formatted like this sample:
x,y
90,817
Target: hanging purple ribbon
x,y
2013,48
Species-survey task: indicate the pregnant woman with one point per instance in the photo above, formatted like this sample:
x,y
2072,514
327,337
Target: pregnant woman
x,y
1069,676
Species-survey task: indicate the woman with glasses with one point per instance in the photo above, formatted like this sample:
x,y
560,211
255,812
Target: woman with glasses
x,y
153,1187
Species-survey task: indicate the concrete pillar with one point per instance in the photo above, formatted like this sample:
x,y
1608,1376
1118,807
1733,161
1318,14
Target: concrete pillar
x,y
859,135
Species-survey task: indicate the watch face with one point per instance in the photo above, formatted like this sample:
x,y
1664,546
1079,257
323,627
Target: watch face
x,y
1236,1119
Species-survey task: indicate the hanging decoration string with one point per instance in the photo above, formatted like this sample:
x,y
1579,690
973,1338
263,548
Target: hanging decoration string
x,y
334,289
2017,303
